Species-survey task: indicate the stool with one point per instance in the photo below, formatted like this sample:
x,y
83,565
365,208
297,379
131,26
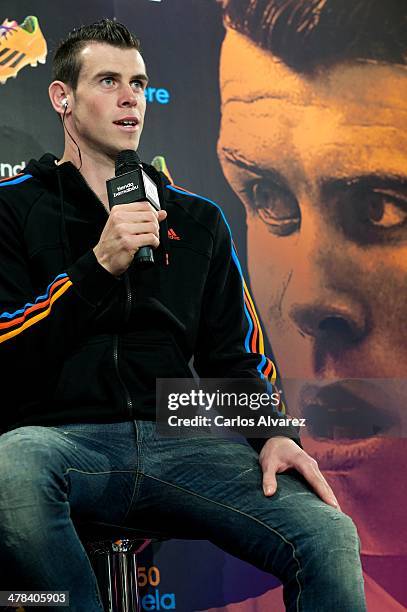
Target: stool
x,y
113,554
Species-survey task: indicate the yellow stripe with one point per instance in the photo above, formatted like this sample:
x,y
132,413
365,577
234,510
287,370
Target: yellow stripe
x,y
273,375
39,316
260,331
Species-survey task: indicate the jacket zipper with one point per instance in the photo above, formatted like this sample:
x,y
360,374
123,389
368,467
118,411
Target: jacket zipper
x,y
127,396
129,403
128,298
98,200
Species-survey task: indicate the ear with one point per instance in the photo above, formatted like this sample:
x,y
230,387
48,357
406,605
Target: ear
x,y
59,94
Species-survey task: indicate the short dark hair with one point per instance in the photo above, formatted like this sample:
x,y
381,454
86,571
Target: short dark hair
x,y
307,34
66,65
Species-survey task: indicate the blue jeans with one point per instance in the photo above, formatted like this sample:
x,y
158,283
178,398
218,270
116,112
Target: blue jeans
x,y
203,487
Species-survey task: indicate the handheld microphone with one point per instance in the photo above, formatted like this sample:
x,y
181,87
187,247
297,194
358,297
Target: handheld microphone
x,y
132,184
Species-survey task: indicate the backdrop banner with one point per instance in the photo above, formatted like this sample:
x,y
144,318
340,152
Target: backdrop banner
x,y
292,116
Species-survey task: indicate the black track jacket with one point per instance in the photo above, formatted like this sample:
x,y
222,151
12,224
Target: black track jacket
x,y
78,344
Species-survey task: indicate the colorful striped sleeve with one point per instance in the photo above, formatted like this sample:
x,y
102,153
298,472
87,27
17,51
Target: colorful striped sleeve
x,y
254,339
12,324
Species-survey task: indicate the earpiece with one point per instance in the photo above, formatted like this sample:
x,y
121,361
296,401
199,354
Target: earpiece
x,y
64,102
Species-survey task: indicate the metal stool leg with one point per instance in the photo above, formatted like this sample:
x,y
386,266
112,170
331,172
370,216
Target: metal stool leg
x,y
125,560
115,566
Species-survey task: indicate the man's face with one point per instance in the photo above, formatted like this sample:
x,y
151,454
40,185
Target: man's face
x,y
320,165
110,90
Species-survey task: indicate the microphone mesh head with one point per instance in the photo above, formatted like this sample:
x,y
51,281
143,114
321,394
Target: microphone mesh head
x,y
126,161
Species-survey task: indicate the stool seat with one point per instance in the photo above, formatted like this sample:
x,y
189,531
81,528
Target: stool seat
x,y
113,554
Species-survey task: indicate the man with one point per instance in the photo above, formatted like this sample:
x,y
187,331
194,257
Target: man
x,y
90,333
320,92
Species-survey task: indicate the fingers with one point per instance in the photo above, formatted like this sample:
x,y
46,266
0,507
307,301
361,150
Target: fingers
x,y
139,207
124,216
132,243
127,212
269,480
135,207
279,454
137,222
146,227
129,227
308,467
147,240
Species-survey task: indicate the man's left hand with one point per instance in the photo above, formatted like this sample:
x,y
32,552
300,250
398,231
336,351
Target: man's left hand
x,y
280,454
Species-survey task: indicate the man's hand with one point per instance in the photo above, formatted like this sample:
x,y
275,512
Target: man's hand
x,y
129,227
279,454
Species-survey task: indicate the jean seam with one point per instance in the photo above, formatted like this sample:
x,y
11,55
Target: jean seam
x,y
71,469
137,481
253,518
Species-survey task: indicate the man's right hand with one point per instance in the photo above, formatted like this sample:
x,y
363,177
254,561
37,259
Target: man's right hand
x,y
129,227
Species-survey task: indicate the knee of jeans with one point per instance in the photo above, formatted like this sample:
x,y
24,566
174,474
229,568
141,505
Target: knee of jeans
x,y
335,536
27,466
332,559
340,528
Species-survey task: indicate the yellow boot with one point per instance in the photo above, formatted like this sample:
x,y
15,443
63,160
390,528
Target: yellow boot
x,y
20,45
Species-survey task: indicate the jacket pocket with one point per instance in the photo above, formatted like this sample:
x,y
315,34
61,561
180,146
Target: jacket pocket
x,y
143,358
88,376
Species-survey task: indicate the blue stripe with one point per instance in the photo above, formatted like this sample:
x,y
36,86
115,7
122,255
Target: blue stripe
x,y
210,202
248,317
19,179
7,315
249,333
237,262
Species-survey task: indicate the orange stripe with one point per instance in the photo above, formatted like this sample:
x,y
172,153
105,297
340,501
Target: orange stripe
x,y
272,379
260,331
39,316
183,189
9,178
272,375
260,343
268,369
256,322
255,334
34,307
261,339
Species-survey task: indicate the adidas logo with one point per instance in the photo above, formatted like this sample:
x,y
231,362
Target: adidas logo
x,y
172,235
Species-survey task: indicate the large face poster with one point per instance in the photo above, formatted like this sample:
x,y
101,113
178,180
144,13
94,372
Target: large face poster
x,y
321,90
292,115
